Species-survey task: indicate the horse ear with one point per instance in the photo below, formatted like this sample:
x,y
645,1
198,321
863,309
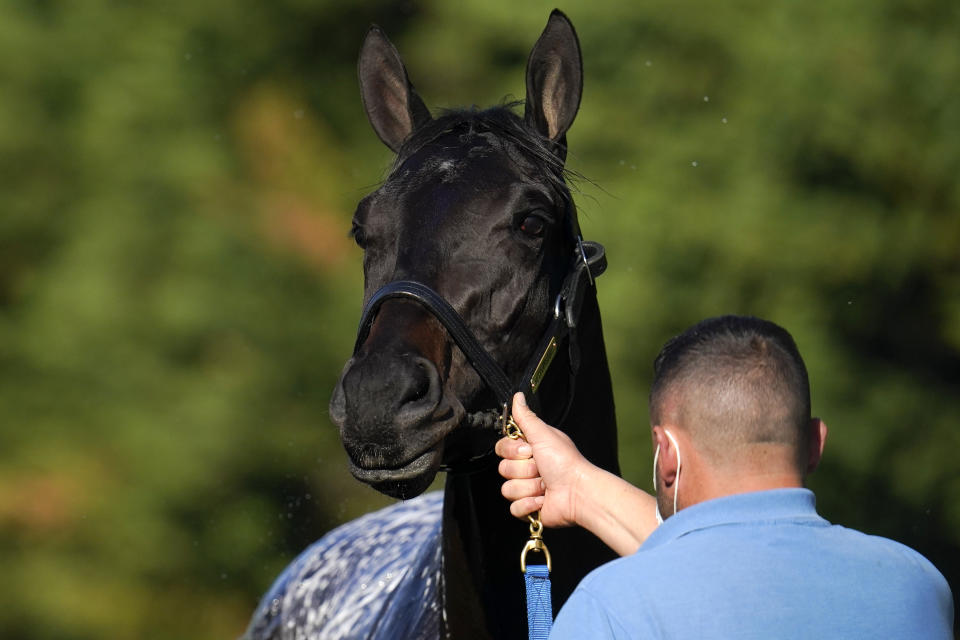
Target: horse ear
x,y
554,79
393,107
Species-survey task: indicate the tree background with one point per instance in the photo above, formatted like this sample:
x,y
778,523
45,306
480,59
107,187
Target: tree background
x,y
178,292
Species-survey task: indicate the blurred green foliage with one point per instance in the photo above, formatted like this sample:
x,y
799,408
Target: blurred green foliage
x,y
178,293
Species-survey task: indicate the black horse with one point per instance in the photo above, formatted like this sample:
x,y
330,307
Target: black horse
x,y
476,208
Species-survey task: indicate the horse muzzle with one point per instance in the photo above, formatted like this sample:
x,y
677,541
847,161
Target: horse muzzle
x,y
393,418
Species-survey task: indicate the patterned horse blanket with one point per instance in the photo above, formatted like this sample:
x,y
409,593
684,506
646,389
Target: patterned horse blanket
x,y
375,578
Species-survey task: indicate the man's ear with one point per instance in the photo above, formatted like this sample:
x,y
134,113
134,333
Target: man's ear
x,y
817,436
393,107
667,458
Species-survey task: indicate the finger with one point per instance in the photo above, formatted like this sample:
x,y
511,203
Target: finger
x,y
525,506
517,489
517,469
534,429
513,449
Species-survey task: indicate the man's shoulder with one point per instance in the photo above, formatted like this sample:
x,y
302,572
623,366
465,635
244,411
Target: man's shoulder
x,y
885,554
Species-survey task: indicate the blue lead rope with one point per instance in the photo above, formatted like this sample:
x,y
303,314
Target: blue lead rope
x,y
539,606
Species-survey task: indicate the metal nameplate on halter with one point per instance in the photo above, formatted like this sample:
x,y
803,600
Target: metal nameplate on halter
x,y
543,365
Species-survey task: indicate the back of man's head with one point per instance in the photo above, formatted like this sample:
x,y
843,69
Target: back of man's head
x,y
737,385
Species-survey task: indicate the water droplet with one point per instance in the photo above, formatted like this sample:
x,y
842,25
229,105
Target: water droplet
x,y
706,98
622,163
187,56
223,576
275,606
648,63
694,163
723,120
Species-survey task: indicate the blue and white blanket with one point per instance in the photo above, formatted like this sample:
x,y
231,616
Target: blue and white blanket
x,y
375,578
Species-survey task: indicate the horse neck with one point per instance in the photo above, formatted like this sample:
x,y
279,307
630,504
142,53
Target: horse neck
x,y
482,541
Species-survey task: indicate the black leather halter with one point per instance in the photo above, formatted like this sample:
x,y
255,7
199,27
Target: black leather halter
x,y
588,262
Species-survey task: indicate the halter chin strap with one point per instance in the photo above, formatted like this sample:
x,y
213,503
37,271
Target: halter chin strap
x,y
589,261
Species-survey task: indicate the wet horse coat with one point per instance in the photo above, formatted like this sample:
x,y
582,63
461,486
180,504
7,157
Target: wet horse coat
x,y
476,207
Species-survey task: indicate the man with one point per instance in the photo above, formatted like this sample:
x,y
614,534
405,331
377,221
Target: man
x,y
741,552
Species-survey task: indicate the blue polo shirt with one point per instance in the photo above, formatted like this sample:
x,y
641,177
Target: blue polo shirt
x,y
760,565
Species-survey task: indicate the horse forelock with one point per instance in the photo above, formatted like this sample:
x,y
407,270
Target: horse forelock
x,y
486,131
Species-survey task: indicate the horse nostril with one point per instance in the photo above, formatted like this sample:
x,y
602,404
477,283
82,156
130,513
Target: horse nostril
x,y
381,393
420,382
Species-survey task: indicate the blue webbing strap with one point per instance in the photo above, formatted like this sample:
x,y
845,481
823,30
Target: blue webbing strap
x,y
539,606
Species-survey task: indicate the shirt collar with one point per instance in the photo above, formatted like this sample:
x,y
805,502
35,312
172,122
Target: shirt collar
x,y
766,506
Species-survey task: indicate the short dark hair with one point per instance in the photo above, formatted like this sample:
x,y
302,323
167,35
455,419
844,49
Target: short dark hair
x,y
734,380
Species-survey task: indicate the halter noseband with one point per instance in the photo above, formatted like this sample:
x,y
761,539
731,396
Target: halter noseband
x,y
588,262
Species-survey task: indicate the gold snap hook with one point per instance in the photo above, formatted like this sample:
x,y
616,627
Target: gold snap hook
x,y
538,546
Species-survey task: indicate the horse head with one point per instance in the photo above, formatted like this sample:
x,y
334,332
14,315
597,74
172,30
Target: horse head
x,y
476,208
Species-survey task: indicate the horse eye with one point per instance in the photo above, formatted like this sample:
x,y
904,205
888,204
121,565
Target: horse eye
x,y
533,226
356,232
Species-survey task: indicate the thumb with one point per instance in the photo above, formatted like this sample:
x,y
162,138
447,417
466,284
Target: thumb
x,y
534,429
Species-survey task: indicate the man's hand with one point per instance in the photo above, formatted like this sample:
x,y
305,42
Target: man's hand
x,y
542,473
548,473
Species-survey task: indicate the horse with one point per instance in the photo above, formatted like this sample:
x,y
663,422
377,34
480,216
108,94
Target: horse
x,y
476,222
